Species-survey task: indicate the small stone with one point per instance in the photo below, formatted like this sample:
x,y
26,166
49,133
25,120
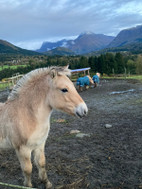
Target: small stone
x,y
74,131
81,135
108,126
61,121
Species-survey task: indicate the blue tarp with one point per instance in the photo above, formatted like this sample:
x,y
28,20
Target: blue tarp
x,y
96,79
81,81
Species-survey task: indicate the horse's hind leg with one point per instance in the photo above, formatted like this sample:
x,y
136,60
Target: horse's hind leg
x,y
24,156
80,88
40,162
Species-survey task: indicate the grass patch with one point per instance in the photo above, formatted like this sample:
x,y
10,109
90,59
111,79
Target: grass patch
x,y
137,77
139,101
4,85
58,120
11,67
66,136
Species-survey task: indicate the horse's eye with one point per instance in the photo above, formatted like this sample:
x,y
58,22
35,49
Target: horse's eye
x,y
64,90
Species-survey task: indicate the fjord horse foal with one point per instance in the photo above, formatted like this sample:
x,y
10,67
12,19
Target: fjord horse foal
x,y
25,117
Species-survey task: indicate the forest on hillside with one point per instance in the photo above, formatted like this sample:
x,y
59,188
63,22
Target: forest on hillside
x,y
109,63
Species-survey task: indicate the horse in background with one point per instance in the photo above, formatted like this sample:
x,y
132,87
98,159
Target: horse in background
x,y
25,116
83,82
96,79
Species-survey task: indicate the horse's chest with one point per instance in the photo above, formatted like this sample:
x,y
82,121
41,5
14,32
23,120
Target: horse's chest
x,y
39,136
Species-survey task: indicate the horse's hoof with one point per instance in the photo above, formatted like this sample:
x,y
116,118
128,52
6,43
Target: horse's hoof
x,y
48,185
28,185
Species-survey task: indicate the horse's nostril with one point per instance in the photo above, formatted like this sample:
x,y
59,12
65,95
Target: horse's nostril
x,y
85,112
78,114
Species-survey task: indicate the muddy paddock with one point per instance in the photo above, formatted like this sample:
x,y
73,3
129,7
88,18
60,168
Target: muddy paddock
x,y
106,154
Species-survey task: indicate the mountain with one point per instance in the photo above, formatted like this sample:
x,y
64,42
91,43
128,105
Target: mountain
x,y
8,48
47,46
127,37
134,48
88,42
84,43
62,51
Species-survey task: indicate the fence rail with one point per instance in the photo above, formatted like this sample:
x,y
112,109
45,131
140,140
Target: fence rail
x,y
7,84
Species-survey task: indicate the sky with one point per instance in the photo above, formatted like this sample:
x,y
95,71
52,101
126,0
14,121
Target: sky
x,y
28,23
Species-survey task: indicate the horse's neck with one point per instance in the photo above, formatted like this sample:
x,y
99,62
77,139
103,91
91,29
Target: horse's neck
x,y
43,114
32,99
34,105
90,79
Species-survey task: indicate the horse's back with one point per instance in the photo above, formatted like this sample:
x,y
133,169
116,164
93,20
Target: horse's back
x,y
83,81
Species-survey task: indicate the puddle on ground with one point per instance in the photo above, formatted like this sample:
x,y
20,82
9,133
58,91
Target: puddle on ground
x,y
122,92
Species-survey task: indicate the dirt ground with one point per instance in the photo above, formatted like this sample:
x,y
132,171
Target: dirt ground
x,y
99,157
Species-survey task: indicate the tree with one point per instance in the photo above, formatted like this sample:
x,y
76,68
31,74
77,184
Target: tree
x,y
109,63
139,64
101,64
91,62
131,66
120,63
83,62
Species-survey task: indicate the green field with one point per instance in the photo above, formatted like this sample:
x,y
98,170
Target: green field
x,y
137,77
11,67
4,85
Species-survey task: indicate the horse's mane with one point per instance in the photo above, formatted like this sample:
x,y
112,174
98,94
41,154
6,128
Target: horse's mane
x,y
53,71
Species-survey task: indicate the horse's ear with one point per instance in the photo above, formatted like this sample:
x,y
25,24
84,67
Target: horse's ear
x,y
67,70
66,67
52,74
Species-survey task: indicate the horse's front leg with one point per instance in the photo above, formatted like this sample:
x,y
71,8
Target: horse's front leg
x,y
40,162
24,156
80,88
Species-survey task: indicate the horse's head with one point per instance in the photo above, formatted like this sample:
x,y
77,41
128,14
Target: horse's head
x,y
98,74
63,95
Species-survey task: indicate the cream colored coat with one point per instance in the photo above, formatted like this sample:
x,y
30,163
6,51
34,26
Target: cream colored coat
x,y
25,117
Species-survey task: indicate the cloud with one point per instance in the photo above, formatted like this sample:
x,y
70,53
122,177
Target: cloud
x,y
30,21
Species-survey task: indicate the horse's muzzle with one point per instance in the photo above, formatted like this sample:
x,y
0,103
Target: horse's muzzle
x,y
81,110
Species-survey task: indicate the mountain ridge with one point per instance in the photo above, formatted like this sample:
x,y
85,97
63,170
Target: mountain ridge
x,y
126,39
129,39
84,43
62,51
8,48
127,36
